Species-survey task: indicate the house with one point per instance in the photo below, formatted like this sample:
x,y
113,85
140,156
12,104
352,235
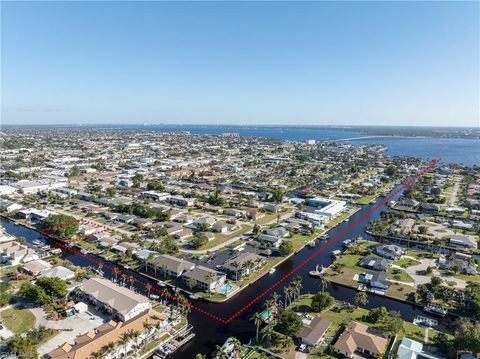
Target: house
x,y
143,254
270,240
209,221
429,208
405,226
461,265
328,208
411,349
155,196
35,267
407,202
181,201
358,337
205,278
84,196
461,240
254,215
107,242
171,266
390,251
238,213
9,206
183,234
312,333
220,227
125,218
280,232
96,340
124,303
243,264
59,272
13,253
377,281
375,263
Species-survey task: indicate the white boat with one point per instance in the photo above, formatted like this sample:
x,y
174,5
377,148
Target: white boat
x,y
272,270
37,242
194,296
336,253
428,322
161,284
311,243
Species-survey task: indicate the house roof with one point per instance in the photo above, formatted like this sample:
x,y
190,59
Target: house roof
x,y
314,331
199,273
119,298
92,342
358,335
172,264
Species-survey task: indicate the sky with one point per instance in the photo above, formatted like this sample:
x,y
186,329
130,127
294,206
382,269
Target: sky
x,y
241,63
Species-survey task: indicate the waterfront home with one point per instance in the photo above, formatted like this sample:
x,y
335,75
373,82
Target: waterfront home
x,y
169,265
313,332
358,337
377,281
405,226
390,251
328,208
464,241
13,253
464,266
411,349
429,208
87,344
9,206
123,303
143,254
205,278
375,263
243,264
407,202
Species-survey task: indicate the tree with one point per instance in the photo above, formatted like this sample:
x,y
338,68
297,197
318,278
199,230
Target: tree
x,y
286,248
34,293
376,315
210,276
23,347
155,186
361,298
55,287
288,323
323,282
200,356
393,322
5,293
321,301
257,320
277,195
74,172
111,192
391,171
422,230
199,240
191,283
60,225
467,335
435,281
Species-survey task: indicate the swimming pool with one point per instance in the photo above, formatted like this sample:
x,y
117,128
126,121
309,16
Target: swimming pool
x,y
227,288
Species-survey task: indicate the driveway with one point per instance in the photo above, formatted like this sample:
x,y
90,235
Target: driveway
x,y
69,328
300,355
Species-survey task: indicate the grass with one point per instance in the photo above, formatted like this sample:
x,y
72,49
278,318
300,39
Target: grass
x,y
366,199
400,291
153,344
406,262
269,217
18,320
399,275
350,260
466,277
340,218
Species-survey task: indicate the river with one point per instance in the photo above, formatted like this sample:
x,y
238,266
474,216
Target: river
x,y
210,332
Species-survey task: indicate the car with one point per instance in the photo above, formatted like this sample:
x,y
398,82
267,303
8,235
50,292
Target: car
x,y
303,348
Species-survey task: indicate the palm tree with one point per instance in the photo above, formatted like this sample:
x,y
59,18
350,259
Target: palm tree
x,y
268,333
324,282
257,319
147,326
135,334
210,276
109,348
275,298
200,356
237,346
287,291
116,271
220,352
97,355
124,339
148,287
149,258
164,270
236,265
297,286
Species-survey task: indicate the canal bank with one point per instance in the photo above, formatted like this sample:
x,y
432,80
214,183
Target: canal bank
x,y
210,332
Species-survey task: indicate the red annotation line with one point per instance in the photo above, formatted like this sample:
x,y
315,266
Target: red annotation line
x,y
66,245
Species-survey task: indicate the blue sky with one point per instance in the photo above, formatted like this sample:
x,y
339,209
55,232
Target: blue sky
x,y
316,63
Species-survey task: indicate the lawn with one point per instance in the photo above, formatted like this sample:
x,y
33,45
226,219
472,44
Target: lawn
x,y
18,320
349,260
400,291
366,199
406,262
399,275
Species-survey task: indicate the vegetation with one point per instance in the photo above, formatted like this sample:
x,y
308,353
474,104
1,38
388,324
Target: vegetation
x,y
60,225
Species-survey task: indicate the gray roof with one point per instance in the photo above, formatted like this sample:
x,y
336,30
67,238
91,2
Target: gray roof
x,y
172,264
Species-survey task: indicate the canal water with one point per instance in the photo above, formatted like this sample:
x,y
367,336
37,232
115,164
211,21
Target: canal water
x,y
210,332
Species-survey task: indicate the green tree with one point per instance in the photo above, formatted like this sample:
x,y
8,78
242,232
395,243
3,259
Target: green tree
x,y
361,298
60,225
288,323
55,287
199,240
286,248
376,315
111,191
467,335
23,347
34,293
321,301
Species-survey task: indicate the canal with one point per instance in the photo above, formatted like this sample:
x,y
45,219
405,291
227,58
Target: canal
x,y
210,332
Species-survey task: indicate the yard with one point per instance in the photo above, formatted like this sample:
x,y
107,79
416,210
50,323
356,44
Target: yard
x,y
406,262
18,320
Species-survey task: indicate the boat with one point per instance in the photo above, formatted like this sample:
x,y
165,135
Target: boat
x,y
37,242
311,243
324,237
84,251
272,270
435,309
194,296
161,284
336,253
428,322
316,272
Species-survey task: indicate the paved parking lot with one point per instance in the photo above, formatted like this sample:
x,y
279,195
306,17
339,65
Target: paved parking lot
x,y
71,327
